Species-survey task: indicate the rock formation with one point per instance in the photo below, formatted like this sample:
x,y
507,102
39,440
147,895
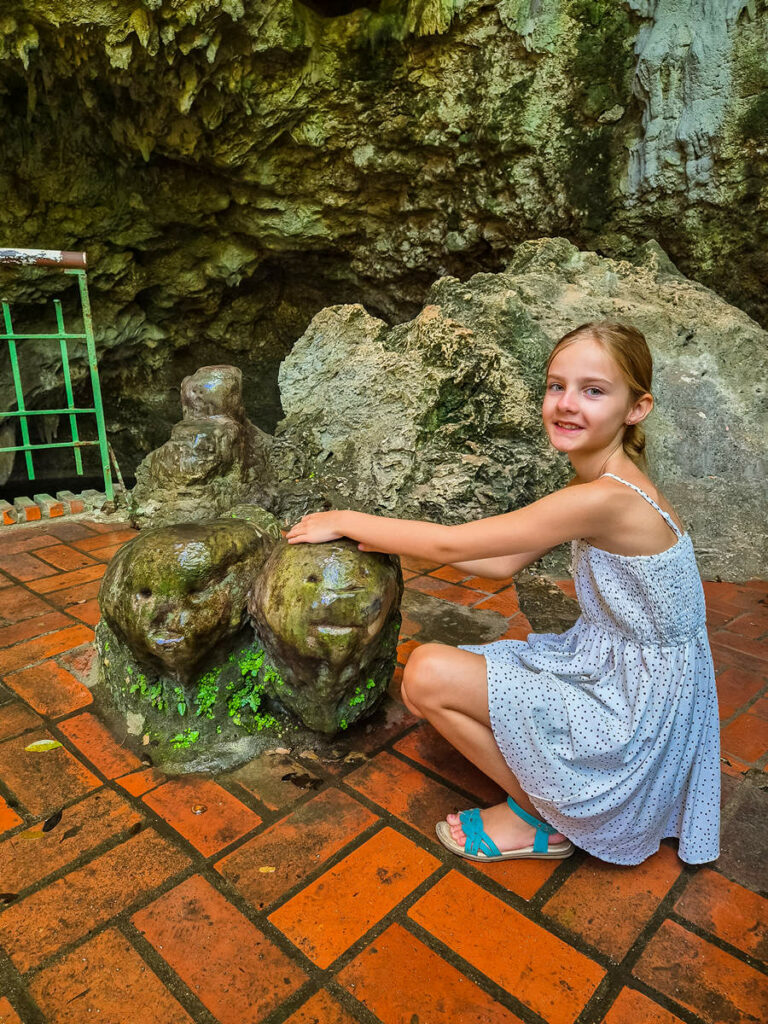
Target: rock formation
x,y
328,619
174,595
439,418
180,668
213,459
233,168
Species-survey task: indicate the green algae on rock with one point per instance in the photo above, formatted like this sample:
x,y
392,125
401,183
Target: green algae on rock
x,y
328,618
174,594
180,666
219,720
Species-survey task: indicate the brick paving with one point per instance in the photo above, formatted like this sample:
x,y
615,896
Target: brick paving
x,y
333,903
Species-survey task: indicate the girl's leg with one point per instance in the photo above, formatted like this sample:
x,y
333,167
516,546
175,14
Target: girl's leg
x,y
449,688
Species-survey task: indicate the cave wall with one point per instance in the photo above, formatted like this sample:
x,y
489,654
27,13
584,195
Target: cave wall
x,y
232,167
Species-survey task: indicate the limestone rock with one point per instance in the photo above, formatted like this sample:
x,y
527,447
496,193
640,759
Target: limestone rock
x,y
431,419
328,618
439,418
174,594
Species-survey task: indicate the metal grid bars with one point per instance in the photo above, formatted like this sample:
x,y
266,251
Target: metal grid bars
x,y
72,264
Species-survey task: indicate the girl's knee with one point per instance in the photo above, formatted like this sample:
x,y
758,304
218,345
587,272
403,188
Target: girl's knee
x,y
421,677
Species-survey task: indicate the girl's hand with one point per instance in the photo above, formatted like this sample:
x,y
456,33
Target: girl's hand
x,y
315,528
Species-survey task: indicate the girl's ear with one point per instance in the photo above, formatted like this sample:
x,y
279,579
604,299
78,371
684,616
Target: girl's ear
x,y
639,410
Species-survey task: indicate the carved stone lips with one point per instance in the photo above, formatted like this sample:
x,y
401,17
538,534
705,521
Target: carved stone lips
x,y
167,639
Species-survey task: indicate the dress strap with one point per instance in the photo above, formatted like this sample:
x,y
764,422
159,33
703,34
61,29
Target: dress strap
x,y
665,515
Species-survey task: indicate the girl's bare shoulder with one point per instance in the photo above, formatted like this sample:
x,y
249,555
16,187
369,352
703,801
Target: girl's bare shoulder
x,y
627,509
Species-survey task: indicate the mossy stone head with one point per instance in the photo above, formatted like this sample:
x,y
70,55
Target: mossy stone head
x,y
322,612
175,592
213,391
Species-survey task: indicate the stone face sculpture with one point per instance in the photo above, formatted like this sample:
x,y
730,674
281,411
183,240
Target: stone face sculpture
x,y
173,594
327,616
214,458
181,666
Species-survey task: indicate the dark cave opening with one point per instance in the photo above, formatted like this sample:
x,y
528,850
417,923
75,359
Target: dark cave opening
x,y
338,8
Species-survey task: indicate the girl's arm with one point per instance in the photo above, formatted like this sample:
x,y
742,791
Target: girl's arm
x,y
567,514
500,568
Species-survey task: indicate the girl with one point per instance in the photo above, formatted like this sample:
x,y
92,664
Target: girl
x,y
606,736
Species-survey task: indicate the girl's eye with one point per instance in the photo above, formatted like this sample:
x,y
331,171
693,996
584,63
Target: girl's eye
x,y
555,387
594,392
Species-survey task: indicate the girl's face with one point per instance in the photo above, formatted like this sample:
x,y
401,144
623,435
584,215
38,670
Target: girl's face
x,y
587,404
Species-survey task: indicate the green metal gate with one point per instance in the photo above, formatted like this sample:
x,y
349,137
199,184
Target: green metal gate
x,y
74,264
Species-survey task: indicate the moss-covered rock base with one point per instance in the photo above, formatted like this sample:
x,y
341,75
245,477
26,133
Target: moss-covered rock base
x,y
226,717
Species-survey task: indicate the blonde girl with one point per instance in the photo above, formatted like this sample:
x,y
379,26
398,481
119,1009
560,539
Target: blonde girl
x,y
606,736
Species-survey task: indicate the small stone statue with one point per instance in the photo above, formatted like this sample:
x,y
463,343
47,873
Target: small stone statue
x,y
173,594
214,458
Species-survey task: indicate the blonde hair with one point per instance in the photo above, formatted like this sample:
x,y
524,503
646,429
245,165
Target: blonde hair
x,y
629,350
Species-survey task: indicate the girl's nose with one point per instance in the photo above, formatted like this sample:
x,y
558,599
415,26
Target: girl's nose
x,y
566,399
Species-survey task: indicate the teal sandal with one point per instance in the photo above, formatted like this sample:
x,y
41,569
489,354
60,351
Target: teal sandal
x,y
480,846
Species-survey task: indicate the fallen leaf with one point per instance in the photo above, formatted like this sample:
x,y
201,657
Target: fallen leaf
x,y
199,808
52,822
266,870
309,755
31,833
41,746
280,750
334,754
354,755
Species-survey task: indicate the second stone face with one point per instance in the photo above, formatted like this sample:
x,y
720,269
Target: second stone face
x,y
174,593
328,618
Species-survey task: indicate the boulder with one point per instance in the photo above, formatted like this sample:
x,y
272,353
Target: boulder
x,y
438,418
433,419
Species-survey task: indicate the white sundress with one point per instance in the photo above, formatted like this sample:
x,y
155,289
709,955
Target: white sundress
x,y
612,727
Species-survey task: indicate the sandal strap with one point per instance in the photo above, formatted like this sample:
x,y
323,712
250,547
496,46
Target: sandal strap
x,y
478,840
543,829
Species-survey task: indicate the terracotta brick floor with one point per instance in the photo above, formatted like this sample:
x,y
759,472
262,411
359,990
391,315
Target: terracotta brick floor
x,y
122,902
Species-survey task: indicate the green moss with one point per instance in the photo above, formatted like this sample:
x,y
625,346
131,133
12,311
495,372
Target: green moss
x,y
185,739
152,692
181,700
358,698
450,400
207,692
601,69
754,123
244,706
245,694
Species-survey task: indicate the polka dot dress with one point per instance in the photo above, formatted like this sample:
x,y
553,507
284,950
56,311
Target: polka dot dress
x,y
612,727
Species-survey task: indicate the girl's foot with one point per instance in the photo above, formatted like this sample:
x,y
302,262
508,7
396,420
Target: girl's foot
x,y
505,828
